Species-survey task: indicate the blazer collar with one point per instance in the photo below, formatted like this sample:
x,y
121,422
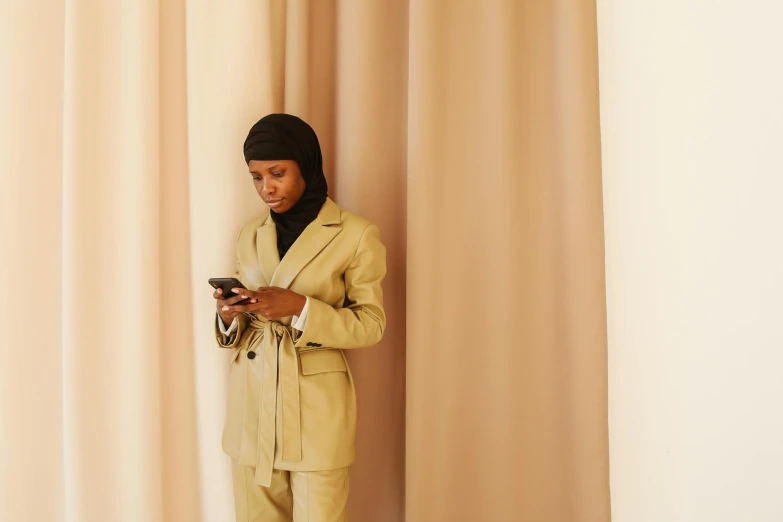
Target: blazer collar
x,y
313,239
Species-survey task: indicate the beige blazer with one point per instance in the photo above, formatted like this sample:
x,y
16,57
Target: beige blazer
x,y
291,397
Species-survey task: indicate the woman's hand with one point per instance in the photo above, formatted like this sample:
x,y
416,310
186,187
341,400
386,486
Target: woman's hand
x,y
226,316
269,301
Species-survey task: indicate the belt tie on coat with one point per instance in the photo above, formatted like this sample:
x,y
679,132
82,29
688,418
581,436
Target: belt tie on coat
x,y
278,365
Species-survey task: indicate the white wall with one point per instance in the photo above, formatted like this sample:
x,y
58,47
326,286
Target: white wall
x,y
692,124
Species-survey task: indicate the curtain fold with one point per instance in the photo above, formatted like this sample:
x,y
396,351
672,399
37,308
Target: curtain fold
x,y
111,262
183,468
468,131
31,133
506,368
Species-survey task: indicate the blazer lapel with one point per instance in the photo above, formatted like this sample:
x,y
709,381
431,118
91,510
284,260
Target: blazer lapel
x,y
266,247
314,238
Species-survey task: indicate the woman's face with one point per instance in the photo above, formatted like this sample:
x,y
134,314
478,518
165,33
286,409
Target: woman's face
x,y
278,182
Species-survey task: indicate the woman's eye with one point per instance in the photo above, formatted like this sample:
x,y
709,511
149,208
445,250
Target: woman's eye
x,y
277,174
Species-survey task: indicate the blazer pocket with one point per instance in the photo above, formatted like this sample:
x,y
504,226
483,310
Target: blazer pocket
x,y
321,361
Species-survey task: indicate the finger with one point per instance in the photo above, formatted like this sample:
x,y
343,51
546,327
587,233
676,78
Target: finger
x,y
246,293
237,299
218,294
246,306
237,308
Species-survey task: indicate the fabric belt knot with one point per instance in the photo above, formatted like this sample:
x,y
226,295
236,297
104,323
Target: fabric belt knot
x,y
279,364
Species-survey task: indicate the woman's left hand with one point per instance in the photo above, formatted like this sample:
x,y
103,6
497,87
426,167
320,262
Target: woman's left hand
x,y
271,302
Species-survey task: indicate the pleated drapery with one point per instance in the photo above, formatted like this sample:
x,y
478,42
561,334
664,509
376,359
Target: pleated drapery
x,y
468,131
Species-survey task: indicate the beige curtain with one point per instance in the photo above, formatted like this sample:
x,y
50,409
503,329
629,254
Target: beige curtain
x,y
506,352
467,130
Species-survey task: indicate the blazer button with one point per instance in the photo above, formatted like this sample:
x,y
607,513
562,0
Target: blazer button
x,y
310,344
251,355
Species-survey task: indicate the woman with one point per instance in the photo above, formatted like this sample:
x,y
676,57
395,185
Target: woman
x,y
315,273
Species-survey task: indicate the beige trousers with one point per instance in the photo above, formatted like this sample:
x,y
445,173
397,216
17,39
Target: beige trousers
x,y
293,496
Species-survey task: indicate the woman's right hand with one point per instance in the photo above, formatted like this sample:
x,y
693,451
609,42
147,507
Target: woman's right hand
x,y
227,316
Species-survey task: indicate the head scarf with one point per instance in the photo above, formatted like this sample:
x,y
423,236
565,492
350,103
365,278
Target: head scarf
x,y
286,137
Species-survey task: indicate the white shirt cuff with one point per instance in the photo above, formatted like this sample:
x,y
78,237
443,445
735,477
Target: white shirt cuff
x,y
222,327
300,320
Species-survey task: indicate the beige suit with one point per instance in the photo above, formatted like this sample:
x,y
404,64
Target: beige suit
x,y
292,403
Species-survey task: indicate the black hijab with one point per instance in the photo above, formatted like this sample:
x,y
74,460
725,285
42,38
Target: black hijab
x,y
286,137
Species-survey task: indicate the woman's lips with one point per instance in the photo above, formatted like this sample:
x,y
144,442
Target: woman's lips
x,y
274,203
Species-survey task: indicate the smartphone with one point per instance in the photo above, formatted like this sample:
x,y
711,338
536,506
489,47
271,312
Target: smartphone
x,y
225,284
